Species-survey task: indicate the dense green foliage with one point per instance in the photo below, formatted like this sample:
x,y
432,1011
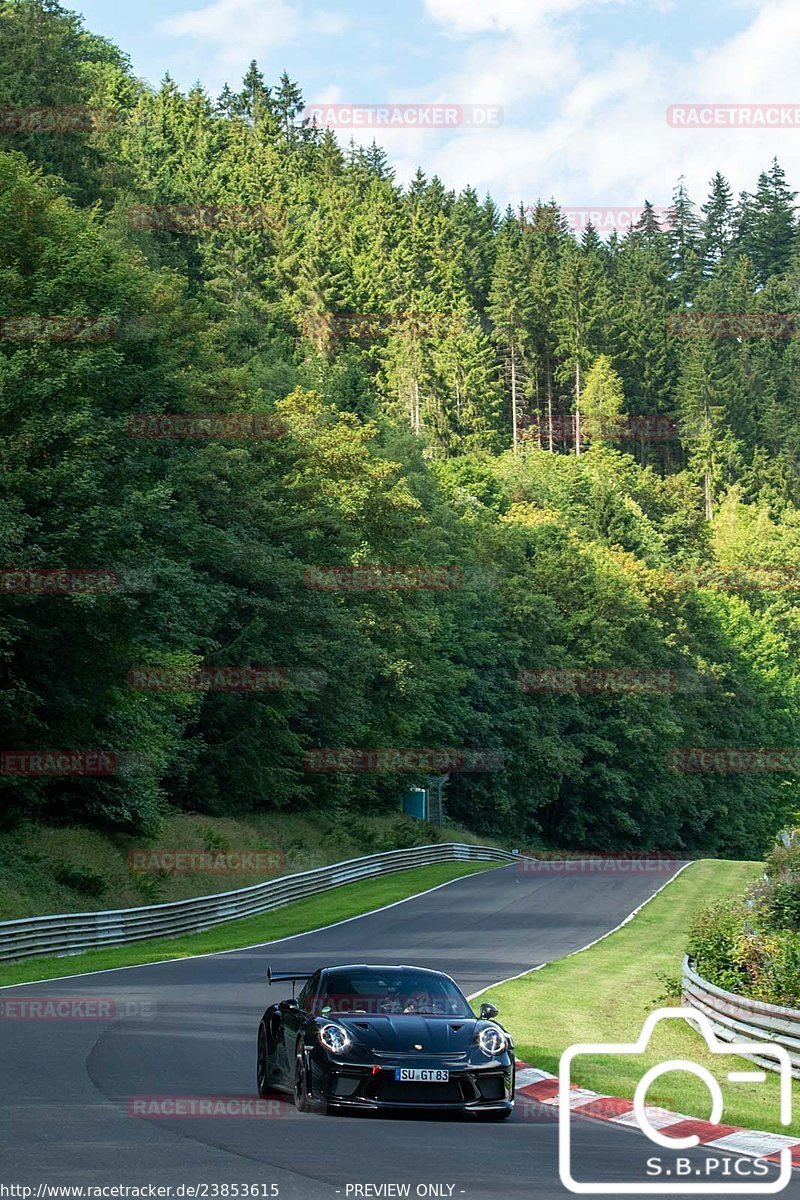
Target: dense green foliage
x,y
752,946
399,448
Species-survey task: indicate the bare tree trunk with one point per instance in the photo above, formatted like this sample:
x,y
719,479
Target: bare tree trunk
x,y
416,405
708,495
514,393
577,407
538,409
549,407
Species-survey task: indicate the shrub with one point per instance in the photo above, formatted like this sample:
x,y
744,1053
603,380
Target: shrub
x,y
212,840
81,879
751,947
715,944
780,983
784,860
778,902
406,832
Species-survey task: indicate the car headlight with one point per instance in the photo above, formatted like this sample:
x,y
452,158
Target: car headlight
x,y
492,1040
335,1039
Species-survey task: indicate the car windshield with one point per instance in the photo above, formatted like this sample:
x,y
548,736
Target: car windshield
x,y
391,993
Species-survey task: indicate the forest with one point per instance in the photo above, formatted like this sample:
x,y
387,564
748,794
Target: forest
x,y
454,487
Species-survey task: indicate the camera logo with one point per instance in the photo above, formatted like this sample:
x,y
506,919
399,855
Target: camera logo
x,y
764,1050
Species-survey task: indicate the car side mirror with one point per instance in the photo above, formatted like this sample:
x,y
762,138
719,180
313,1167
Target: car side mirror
x,y
489,1012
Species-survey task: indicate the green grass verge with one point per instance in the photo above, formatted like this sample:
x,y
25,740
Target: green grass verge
x,y
349,900
54,870
604,995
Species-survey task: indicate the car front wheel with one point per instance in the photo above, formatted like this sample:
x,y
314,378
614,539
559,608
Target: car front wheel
x,y
302,1085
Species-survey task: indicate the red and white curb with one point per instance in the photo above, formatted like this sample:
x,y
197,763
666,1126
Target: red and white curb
x,y
542,1087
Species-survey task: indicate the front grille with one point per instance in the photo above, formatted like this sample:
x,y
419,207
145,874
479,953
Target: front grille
x,y
346,1085
492,1087
411,1092
416,1055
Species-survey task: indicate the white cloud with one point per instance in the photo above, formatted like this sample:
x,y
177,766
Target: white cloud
x,y
506,16
760,63
599,135
239,30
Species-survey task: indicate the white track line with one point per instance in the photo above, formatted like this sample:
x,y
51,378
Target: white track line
x,y
588,945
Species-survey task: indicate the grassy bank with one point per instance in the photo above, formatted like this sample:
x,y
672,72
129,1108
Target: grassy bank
x,y
349,900
49,870
605,993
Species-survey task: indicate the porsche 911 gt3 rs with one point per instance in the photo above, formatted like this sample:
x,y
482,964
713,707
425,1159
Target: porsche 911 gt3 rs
x,y
394,1037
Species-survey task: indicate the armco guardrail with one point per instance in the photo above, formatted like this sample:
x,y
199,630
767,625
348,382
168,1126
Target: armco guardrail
x,y
737,1018
72,933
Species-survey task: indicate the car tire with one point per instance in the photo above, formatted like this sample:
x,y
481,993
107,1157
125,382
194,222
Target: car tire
x,y
302,1085
263,1082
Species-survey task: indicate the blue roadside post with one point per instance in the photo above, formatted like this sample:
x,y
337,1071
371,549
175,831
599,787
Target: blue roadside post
x,y
415,803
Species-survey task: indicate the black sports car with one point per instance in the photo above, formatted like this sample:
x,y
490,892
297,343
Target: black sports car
x,y
369,1038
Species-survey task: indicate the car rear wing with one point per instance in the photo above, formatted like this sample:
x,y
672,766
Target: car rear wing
x,y
286,976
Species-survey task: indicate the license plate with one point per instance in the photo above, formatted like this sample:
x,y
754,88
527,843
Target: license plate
x,y
421,1075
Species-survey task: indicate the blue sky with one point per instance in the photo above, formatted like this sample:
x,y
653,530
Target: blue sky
x,y
584,84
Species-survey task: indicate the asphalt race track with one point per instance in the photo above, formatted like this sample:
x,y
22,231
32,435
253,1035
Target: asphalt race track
x,y
188,1028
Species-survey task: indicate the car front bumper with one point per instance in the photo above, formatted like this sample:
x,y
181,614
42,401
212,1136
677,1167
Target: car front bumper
x,y
470,1088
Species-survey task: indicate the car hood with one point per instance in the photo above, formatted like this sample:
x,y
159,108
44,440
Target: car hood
x,y
403,1033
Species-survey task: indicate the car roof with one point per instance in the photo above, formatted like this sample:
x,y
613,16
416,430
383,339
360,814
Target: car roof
x,y
383,967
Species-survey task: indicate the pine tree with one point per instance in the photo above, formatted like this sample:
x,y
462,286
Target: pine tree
x,y
474,232
684,245
510,309
321,285
579,318
647,227
700,400
767,224
642,296
287,101
717,223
